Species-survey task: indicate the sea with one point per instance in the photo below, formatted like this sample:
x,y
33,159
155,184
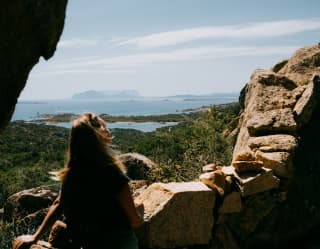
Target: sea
x,y
33,110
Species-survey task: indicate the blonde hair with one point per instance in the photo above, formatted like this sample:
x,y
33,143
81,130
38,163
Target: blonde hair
x,y
89,146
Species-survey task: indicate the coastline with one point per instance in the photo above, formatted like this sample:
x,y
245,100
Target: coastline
x,y
160,118
140,122
141,126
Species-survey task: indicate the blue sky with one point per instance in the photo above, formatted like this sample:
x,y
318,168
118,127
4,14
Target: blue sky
x,y
169,47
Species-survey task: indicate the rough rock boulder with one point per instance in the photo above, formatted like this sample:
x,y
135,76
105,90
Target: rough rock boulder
x,y
176,214
276,205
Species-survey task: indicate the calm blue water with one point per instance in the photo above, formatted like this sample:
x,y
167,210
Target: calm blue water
x,y
30,110
146,126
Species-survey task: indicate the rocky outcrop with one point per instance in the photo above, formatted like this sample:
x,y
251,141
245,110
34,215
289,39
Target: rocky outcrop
x,y
276,109
28,30
28,208
302,65
137,165
29,201
275,168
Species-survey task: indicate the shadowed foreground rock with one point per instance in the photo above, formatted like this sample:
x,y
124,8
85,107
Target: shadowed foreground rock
x,y
29,201
175,214
28,30
137,165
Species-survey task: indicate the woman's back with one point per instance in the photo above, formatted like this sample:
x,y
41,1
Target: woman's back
x,y
90,201
95,196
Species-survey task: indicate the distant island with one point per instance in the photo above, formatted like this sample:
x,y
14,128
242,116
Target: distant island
x,y
92,94
131,94
161,118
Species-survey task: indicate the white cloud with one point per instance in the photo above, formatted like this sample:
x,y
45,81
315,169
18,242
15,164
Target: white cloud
x,y
131,63
249,30
77,43
188,54
83,71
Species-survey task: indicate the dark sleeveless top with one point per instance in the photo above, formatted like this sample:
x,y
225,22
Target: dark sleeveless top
x,y
90,204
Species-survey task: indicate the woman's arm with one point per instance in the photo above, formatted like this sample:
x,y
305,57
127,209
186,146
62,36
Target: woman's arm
x,y
126,202
53,214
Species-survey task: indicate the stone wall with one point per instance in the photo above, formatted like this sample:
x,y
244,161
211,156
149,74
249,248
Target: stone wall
x,y
267,195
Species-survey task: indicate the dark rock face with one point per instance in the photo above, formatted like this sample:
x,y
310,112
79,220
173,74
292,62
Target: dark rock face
x,y
29,201
28,30
293,222
28,208
137,165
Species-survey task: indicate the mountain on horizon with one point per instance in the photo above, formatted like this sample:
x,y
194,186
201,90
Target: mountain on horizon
x,y
132,94
92,94
226,94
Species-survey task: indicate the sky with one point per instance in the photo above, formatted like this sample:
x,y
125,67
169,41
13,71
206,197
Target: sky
x,y
170,47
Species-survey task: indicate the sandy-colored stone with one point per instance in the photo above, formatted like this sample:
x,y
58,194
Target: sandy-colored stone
x,y
176,214
245,155
307,103
266,92
228,170
215,180
279,162
247,166
274,121
302,65
209,167
273,143
251,183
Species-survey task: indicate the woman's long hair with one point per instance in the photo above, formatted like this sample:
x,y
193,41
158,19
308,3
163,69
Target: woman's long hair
x,y
89,146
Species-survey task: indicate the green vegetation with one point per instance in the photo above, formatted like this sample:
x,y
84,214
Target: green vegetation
x,y
150,118
173,117
6,235
29,151
182,150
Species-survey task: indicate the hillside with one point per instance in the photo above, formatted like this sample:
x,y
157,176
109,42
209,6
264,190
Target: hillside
x,y
29,151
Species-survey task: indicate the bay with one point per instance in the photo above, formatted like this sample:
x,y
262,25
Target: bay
x,y
32,110
145,126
